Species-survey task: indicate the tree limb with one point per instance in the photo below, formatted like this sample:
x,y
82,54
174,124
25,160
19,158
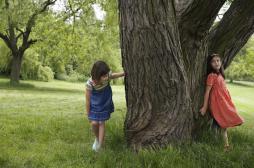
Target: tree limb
x,y
199,16
4,37
194,23
233,31
20,34
72,12
31,23
6,40
31,41
7,4
31,20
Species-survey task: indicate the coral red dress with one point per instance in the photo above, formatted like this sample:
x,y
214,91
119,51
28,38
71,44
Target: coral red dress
x,y
221,106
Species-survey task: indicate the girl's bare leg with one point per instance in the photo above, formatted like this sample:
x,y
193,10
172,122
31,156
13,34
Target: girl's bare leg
x,y
225,137
101,133
95,128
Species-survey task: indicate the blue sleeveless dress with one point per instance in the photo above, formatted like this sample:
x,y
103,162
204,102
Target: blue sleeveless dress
x,y
101,104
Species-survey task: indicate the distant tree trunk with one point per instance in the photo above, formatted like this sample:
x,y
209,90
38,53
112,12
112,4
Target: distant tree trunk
x,y
15,68
164,47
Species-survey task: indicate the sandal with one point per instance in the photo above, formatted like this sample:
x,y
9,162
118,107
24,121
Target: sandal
x,y
226,148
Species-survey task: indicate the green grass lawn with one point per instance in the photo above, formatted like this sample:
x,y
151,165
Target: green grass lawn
x,y
43,125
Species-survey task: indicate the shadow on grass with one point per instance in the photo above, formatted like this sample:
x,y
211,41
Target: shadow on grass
x,y
31,87
7,85
242,83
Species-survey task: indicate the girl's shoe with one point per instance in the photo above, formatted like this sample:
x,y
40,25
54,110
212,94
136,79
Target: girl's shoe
x,y
226,148
98,147
95,145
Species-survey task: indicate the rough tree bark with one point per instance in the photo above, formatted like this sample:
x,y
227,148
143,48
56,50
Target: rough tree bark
x,y
165,44
14,33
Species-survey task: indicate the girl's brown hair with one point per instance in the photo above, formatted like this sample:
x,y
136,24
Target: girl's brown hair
x,y
99,69
210,68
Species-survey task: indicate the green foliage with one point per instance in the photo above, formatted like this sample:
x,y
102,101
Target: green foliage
x,y
70,49
74,77
45,73
16,10
242,67
69,41
5,59
30,65
62,76
33,69
60,68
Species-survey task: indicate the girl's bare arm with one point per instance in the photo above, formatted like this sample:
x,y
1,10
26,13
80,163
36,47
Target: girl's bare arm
x,y
206,98
88,95
117,75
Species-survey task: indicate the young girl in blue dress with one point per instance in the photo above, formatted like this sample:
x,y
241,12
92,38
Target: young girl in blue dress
x,y
99,104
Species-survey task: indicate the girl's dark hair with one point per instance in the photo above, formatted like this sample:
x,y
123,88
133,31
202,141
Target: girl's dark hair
x,y
210,68
99,69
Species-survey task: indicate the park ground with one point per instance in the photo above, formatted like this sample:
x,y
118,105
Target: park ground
x,y
42,124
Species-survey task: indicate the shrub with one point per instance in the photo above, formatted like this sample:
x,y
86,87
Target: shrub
x,y
61,76
30,65
5,58
45,73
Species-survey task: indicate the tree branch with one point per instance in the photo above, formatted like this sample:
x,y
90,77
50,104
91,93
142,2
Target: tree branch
x,y
20,34
71,12
4,37
194,22
31,41
233,31
7,4
198,16
31,20
31,23
6,40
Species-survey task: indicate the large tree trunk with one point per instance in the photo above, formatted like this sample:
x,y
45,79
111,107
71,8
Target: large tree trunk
x,y
158,97
164,48
15,68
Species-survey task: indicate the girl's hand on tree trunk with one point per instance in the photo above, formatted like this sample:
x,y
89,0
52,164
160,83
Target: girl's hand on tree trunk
x,y
203,111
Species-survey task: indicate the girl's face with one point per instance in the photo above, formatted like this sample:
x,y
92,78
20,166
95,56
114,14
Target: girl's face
x,y
104,78
216,63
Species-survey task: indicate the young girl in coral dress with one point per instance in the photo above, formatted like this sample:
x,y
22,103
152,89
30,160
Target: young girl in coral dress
x,y
218,99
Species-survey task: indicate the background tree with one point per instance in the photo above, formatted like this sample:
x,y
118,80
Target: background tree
x,y
242,67
70,38
19,18
165,45
71,47
4,58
